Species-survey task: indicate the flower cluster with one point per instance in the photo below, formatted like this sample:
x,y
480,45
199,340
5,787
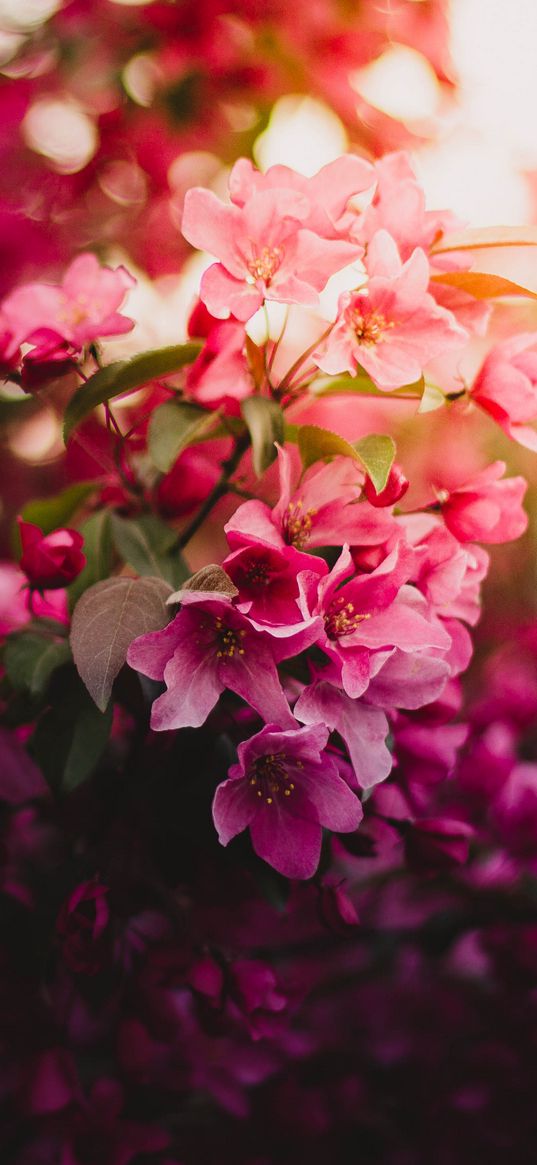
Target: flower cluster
x,y
233,649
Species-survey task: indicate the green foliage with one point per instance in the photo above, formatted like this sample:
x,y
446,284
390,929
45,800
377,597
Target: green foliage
x,y
265,422
54,512
71,735
149,545
31,656
374,452
172,427
124,376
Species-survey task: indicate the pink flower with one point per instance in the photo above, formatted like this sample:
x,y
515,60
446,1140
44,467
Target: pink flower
x,y
370,613
50,561
486,509
208,647
398,206
319,512
221,374
82,309
267,579
392,327
285,788
363,729
265,252
448,574
506,387
329,191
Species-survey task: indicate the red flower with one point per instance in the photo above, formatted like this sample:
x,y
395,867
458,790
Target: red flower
x,y
50,561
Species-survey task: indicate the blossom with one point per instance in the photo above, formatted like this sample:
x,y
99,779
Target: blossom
x,y
368,613
506,387
285,788
392,327
363,729
398,207
83,308
329,191
486,509
267,579
319,512
265,252
208,647
50,561
448,574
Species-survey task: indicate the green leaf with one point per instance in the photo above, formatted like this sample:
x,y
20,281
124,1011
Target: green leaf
x,y
172,427
98,550
106,620
124,376
71,736
51,513
149,545
316,444
265,423
30,659
361,385
376,452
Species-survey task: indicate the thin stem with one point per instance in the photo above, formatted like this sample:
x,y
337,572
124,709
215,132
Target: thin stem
x,y
284,384
228,469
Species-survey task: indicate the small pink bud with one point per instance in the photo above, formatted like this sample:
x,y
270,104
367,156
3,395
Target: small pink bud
x,y
393,491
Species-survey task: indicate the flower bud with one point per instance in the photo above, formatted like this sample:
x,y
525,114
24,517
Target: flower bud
x,y
50,561
393,491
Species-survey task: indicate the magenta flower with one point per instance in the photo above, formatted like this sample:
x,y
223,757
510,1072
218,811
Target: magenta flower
x,y
506,387
285,788
371,613
265,252
82,309
50,561
363,729
267,579
485,509
208,647
392,327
